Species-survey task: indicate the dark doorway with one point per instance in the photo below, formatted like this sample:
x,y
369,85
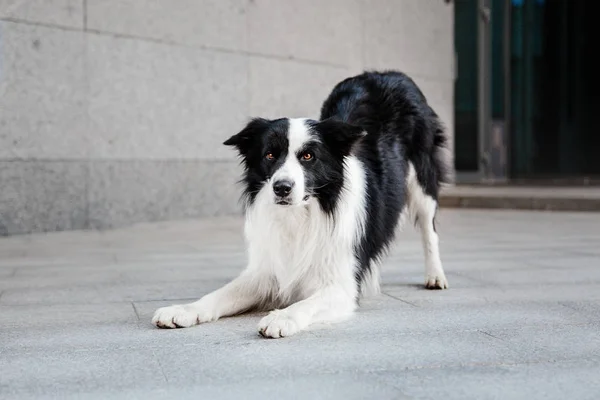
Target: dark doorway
x,y
555,88
466,142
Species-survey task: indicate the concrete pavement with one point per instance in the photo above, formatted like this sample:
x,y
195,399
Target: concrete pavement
x,y
520,321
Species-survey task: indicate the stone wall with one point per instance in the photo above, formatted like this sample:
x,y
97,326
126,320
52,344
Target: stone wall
x,y
113,111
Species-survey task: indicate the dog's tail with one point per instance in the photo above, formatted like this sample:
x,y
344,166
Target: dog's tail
x,y
442,159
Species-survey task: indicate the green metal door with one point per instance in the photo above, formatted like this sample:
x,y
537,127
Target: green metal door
x,y
480,128
466,143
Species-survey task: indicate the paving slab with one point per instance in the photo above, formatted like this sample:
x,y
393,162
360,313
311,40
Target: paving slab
x,y
521,319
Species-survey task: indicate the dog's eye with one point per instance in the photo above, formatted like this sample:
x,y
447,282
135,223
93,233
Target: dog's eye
x,y
269,156
307,156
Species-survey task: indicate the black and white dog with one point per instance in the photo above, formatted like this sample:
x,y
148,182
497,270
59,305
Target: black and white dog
x,y
323,199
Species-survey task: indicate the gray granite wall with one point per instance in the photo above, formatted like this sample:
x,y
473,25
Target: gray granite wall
x,y
113,111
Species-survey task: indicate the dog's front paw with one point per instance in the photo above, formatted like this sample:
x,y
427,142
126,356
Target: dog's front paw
x,y
179,316
277,324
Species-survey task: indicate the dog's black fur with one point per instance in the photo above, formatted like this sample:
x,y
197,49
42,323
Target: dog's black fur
x,y
401,127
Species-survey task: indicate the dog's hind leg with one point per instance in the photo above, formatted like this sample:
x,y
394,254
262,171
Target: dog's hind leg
x,y
423,208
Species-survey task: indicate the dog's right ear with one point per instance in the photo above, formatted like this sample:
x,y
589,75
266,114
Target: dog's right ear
x,y
243,139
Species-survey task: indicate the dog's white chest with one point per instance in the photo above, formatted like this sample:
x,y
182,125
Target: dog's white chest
x,y
291,248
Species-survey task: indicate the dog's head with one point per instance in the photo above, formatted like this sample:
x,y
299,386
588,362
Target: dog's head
x,y
289,161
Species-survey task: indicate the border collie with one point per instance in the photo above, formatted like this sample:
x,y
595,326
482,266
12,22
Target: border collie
x,y
323,199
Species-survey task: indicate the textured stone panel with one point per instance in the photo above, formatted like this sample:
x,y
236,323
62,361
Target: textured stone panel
x,y
68,13
42,93
125,192
323,31
151,100
37,196
210,23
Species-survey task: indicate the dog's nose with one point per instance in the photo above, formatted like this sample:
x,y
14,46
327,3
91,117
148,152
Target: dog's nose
x,y
283,188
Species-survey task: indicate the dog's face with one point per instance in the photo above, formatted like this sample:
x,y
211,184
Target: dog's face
x,y
289,161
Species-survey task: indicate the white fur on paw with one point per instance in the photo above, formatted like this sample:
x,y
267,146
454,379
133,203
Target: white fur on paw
x,y
179,316
436,280
277,324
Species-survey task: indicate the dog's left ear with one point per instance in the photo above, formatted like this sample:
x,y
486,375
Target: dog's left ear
x,y
340,136
243,139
